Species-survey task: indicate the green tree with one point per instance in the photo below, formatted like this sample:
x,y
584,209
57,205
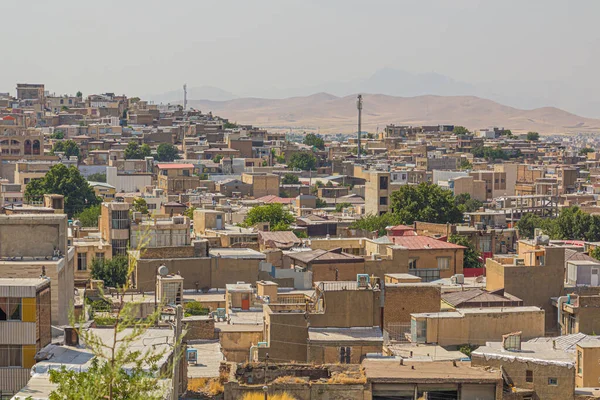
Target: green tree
x,y
68,147
97,177
79,94
472,255
527,225
113,272
89,216
194,308
425,202
460,130
134,151
290,179
67,181
273,213
280,159
230,125
595,252
58,134
167,152
303,160
467,204
321,203
378,223
189,212
64,108
465,164
533,136
313,140
217,159
506,132
340,206
586,150
140,205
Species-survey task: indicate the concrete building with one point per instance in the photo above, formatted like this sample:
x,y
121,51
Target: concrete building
x,y
86,250
50,256
405,298
25,328
160,232
176,178
263,184
475,326
126,181
114,226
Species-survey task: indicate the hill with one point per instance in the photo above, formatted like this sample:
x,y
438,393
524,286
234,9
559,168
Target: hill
x,y
331,114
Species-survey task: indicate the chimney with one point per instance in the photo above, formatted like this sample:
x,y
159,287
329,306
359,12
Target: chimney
x,y
71,336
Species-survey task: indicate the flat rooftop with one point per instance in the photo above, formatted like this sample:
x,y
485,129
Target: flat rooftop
x,y
392,372
354,334
530,352
243,253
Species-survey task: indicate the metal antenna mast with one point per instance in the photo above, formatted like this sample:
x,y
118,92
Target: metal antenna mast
x,y
185,96
359,107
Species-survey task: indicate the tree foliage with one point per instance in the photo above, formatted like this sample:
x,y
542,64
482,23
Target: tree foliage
x,y
217,159
460,130
533,136
467,204
140,205
167,152
571,224
320,203
89,216
97,177
68,147
425,202
134,151
585,151
230,125
290,179
113,272
313,140
58,134
189,212
340,206
273,213
194,308
472,255
595,252
378,223
67,181
465,164
303,160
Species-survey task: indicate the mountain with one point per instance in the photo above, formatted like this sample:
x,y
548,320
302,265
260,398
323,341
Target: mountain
x,y
200,92
327,113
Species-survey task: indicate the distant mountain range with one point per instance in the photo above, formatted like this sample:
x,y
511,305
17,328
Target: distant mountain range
x,y
392,82
327,113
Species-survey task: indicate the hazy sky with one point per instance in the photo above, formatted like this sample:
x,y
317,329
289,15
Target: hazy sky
x,y
150,46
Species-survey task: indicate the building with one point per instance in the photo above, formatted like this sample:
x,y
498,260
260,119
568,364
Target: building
x,y
86,250
25,327
405,298
32,245
176,178
160,232
263,184
114,226
104,190
476,326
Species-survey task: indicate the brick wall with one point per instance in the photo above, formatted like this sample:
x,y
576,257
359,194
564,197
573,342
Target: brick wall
x,y
199,327
401,300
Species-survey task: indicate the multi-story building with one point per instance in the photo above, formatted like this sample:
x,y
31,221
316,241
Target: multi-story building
x,y
25,328
114,226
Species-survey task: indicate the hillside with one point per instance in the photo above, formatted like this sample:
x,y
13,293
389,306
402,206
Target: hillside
x,y
331,114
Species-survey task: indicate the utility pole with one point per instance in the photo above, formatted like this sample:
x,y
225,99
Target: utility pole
x,y
359,107
176,350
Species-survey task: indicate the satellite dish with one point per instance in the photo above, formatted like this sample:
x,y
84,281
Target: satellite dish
x,y
163,270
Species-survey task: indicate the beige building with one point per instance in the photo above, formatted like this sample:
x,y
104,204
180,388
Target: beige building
x,y
114,226
263,184
50,256
86,250
25,328
160,232
475,326
176,178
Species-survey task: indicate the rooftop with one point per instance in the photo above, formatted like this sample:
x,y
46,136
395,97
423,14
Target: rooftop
x,y
411,372
325,256
423,243
174,166
530,352
243,253
354,334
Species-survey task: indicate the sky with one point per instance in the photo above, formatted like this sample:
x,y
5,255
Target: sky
x,y
140,47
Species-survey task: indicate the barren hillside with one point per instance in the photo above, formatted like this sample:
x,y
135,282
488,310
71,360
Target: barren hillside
x,y
331,114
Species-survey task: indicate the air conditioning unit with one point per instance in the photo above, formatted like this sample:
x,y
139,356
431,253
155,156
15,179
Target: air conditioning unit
x,y
460,279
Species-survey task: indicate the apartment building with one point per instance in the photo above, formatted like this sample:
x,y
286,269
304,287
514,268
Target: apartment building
x,y
115,226
25,328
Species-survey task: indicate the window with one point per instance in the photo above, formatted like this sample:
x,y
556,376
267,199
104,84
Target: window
x,y
553,381
100,256
186,172
383,182
119,246
528,375
81,261
443,262
345,353
412,263
10,356
120,219
10,308
579,362
383,201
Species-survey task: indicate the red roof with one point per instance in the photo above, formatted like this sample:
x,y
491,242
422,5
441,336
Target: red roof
x,y
423,243
174,166
275,199
9,118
